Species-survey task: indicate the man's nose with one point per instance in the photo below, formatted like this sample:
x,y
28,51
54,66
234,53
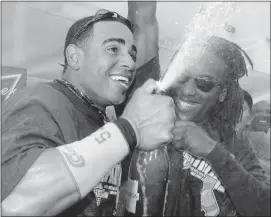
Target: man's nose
x,y
127,62
189,88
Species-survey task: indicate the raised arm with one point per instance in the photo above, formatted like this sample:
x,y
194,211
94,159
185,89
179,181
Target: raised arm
x,y
143,16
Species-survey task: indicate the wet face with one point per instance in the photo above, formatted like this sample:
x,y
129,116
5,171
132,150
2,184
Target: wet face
x,y
200,86
108,65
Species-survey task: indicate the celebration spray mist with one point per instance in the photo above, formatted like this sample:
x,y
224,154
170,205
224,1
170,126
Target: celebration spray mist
x,y
148,173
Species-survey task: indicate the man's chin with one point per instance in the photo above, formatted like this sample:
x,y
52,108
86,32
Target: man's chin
x,y
184,117
118,100
195,117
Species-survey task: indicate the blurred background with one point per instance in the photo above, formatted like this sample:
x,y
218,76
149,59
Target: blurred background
x,y
33,35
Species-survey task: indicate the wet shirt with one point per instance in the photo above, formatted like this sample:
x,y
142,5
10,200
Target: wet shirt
x,y
47,115
225,184
206,189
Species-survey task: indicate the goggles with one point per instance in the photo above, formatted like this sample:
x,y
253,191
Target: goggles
x,y
103,15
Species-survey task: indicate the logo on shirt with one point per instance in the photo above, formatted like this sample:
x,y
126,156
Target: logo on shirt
x,y
203,171
12,79
109,185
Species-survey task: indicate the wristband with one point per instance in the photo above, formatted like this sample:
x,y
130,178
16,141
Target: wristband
x,y
128,132
91,158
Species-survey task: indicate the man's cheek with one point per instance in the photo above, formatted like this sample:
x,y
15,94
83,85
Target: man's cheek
x,y
201,113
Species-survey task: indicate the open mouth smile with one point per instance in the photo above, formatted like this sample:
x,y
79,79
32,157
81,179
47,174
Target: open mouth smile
x,y
186,106
121,80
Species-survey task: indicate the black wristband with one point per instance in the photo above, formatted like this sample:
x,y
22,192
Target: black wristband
x,y
128,132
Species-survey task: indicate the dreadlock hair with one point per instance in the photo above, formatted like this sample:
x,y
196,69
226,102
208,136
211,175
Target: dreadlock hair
x,y
248,99
225,115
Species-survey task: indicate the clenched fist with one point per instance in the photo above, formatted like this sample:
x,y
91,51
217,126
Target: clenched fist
x,y
152,116
190,137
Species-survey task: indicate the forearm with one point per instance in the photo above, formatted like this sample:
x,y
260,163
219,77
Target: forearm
x,y
143,16
62,176
250,196
141,10
46,189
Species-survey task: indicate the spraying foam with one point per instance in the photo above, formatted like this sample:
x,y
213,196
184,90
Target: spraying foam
x,y
205,24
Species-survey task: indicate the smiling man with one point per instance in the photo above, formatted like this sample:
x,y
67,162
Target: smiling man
x,y
110,56
213,171
200,75
60,153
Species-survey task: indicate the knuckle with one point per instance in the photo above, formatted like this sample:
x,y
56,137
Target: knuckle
x,y
172,125
171,115
169,101
165,99
169,136
170,128
167,132
173,112
167,115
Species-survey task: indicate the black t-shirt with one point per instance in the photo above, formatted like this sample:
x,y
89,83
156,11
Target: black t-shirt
x,y
40,117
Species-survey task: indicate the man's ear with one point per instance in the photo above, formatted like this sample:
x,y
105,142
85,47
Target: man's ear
x,y
222,95
74,56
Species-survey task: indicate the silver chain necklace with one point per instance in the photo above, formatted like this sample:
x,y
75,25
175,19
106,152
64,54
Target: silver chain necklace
x,y
85,99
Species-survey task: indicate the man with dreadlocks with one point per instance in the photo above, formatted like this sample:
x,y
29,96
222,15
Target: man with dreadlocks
x,y
212,171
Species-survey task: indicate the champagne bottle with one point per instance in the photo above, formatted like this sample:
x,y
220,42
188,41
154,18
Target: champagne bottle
x,y
147,181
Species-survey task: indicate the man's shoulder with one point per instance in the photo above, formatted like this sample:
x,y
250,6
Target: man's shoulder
x,y
39,106
242,147
38,93
43,90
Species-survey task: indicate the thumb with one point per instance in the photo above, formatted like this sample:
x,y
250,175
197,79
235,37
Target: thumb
x,y
149,86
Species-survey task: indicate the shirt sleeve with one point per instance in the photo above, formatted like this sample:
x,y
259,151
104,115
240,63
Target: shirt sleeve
x,y
29,127
150,69
243,177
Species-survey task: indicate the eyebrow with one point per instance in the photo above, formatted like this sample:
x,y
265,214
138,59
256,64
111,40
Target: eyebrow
x,y
120,41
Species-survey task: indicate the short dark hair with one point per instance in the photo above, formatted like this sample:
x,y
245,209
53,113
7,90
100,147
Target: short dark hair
x,y
79,41
79,33
248,99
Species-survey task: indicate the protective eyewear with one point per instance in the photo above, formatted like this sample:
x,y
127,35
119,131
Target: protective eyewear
x,y
104,15
202,84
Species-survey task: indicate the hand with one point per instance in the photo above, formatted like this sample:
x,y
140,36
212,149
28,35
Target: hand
x,y
152,116
192,138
